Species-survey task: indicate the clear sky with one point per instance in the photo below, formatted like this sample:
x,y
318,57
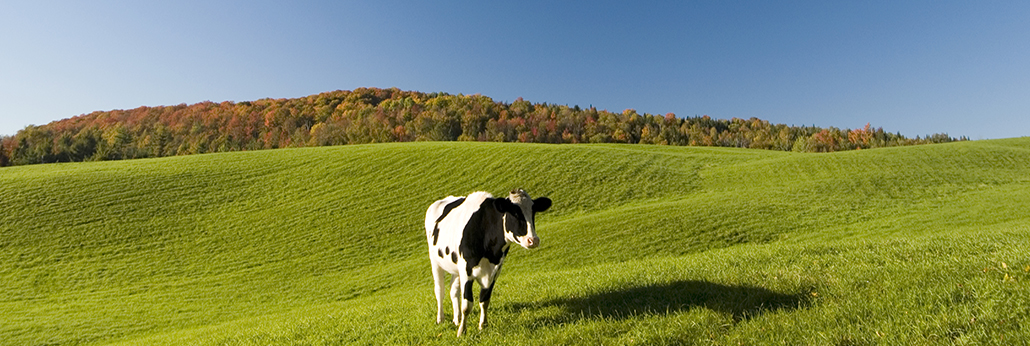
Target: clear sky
x,y
915,67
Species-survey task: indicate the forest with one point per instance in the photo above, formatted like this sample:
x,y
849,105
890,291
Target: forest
x,y
374,115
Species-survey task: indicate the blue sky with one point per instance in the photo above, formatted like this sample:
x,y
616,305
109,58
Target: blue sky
x,y
915,67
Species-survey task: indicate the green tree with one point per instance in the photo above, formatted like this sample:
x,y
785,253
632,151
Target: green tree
x,y
6,142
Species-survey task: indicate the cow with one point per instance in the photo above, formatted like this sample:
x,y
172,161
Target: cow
x,y
469,236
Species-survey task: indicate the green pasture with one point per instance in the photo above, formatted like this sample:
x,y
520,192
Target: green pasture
x,y
644,245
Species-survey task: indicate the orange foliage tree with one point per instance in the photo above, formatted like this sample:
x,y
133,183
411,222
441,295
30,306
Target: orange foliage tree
x,y
372,115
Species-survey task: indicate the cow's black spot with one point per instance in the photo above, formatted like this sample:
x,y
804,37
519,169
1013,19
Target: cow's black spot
x,y
484,294
517,228
447,250
468,290
505,205
446,210
450,206
454,257
471,246
440,252
519,215
481,229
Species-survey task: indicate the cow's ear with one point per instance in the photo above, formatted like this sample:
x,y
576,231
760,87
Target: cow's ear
x,y
503,205
541,204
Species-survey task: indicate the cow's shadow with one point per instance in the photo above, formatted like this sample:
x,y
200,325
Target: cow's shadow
x,y
740,302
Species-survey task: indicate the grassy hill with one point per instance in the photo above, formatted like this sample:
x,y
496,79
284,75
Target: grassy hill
x,y
645,244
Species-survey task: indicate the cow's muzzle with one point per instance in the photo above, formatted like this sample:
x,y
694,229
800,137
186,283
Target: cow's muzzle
x,y
531,242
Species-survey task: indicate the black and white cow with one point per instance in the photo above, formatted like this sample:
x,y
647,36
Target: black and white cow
x,y
469,236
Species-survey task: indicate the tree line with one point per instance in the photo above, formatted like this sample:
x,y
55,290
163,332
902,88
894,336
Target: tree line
x,y
372,115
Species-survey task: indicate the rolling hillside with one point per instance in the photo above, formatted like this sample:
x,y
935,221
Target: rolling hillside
x,y
644,244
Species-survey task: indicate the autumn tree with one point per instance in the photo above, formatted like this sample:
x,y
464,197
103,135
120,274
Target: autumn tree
x,y
372,115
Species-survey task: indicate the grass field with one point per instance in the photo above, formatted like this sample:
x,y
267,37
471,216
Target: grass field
x,y
644,245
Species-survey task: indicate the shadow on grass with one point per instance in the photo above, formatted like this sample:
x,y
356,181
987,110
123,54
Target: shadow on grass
x,y
741,302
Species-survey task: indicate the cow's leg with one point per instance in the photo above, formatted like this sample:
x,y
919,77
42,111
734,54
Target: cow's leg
x,y
455,297
487,284
466,302
439,277
484,302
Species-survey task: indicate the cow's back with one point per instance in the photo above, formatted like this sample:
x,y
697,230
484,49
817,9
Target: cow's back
x,y
447,217
436,210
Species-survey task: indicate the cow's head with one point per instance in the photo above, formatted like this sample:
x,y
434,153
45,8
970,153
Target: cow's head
x,y
519,214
